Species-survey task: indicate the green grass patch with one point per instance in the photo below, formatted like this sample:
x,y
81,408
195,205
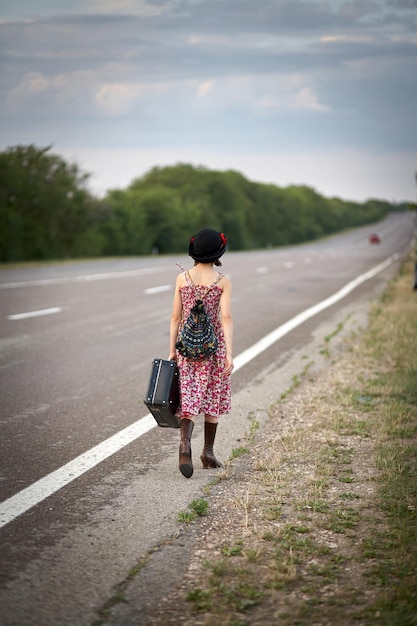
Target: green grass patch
x,y
197,508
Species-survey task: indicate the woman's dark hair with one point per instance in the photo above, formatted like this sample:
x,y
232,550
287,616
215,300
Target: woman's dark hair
x,y
216,262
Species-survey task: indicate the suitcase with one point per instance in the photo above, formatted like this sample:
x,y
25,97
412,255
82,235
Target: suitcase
x,y
163,396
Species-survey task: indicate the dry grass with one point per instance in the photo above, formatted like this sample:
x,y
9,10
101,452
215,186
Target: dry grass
x,y
318,525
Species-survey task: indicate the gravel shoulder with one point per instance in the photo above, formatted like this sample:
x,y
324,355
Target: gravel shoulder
x,y
296,531
282,541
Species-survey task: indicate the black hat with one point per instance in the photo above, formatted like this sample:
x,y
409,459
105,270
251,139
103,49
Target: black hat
x,y
207,245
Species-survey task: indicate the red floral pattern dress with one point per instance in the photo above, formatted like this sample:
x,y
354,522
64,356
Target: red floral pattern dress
x,y
203,386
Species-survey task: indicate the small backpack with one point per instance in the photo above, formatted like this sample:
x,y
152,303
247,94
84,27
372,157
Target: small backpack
x,y
197,340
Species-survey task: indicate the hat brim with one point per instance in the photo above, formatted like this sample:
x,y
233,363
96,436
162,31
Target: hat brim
x,y
206,259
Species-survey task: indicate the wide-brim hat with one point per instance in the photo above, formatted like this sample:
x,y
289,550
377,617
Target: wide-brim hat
x,y
207,245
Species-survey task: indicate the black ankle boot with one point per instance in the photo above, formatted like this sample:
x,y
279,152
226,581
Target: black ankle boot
x,y
185,461
207,457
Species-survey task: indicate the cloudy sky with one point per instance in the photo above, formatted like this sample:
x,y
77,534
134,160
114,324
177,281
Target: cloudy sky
x,y
315,92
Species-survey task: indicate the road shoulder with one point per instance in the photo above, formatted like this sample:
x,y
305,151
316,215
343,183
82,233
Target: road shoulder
x,y
262,492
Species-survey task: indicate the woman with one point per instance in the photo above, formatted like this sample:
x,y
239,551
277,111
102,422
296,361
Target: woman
x,y
204,385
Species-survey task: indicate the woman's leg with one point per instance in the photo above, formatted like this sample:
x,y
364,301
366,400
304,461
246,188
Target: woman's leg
x,y
207,457
185,461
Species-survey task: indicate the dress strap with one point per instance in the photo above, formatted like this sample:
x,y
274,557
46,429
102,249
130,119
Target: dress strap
x,y
219,277
187,276
189,279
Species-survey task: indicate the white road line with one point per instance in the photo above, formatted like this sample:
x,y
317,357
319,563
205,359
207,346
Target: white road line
x,y
35,493
21,316
266,342
152,290
84,278
27,498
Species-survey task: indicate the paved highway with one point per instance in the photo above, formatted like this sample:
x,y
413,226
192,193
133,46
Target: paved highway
x,y
76,345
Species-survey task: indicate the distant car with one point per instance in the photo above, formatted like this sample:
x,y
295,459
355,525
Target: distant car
x,y
374,238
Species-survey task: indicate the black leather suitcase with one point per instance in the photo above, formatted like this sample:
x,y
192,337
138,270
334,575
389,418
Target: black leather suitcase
x,y
163,396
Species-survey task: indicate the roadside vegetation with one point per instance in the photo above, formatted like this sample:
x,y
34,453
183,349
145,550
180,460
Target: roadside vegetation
x,y
48,212
319,524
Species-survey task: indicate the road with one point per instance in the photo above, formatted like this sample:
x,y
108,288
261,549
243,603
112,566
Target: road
x,y
76,345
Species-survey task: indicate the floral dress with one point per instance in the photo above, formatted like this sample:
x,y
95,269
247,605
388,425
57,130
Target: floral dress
x,y
203,386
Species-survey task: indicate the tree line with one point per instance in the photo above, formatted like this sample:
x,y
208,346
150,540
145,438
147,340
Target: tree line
x,y
48,212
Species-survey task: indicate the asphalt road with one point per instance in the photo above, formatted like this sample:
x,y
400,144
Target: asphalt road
x,y
76,345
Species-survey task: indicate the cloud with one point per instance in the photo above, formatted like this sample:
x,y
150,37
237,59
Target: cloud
x,y
230,75
124,7
409,5
350,38
205,88
290,92
116,98
43,94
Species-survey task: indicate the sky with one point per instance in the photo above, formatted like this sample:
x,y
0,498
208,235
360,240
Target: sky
x,y
306,92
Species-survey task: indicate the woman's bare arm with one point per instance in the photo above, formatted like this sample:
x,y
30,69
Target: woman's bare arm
x,y
227,322
175,319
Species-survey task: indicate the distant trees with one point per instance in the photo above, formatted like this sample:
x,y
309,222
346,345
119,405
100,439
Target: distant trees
x,y
44,205
47,212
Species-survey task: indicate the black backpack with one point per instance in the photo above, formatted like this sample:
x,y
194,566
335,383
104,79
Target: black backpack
x,y
197,340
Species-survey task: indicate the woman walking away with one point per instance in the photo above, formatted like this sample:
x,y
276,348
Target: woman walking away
x,y
204,382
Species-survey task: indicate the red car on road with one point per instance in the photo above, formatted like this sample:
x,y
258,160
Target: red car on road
x,y
374,238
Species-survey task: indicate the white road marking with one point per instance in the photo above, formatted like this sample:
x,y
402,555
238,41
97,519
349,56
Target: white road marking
x,y
34,494
152,290
288,264
266,342
21,316
84,278
262,270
